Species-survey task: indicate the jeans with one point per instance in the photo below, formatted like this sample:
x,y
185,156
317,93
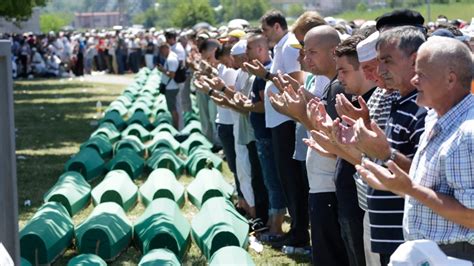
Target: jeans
x,y
294,183
270,178
226,135
327,245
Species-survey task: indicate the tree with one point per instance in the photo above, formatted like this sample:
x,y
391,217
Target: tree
x,y
295,10
54,21
191,12
245,9
19,9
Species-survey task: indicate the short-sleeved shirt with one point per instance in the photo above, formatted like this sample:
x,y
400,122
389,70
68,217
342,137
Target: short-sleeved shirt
x,y
321,170
229,76
444,162
258,119
284,60
403,130
171,64
178,49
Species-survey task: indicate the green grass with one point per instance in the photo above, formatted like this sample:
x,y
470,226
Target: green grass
x,y
53,118
463,11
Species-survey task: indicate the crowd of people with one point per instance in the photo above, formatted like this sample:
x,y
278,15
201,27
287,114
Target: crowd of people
x,y
386,111
362,134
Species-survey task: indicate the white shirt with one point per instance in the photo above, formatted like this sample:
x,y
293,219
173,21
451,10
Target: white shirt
x,y
229,76
178,49
284,59
172,65
321,170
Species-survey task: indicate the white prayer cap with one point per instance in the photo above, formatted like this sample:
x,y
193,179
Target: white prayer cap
x,y
366,49
239,48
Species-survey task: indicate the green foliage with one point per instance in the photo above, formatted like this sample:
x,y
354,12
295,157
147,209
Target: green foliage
x,y
191,12
463,10
19,9
54,21
361,7
148,19
295,10
245,9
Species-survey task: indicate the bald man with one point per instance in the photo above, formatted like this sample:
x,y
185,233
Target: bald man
x,y
327,243
439,191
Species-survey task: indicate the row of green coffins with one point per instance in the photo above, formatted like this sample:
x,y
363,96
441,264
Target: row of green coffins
x,y
107,231
129,154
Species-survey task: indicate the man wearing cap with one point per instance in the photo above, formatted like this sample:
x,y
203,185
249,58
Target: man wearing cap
x,y
438,192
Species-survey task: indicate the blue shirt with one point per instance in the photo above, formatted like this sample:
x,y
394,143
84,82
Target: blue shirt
x,y
444,162
258,119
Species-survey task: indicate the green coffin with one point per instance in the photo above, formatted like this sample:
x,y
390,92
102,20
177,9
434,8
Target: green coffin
x,y
71,190
87,162
163,117
47,235
164,127
108,130
190,116
162,183
127,160
159,257
193,141
165,158
164,139
139,117
140,107
137,130
127,102
116,187
101,144
118,106
202,158
162,225
115,118
131,142
192,127
231,255
145,98
24,262
87,260
219,225
208,183
106,232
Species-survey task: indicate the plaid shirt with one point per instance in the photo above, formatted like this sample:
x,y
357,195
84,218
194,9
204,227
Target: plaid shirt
x,y
443,162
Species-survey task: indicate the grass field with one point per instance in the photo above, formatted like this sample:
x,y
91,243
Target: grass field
x,y
52,119
463,11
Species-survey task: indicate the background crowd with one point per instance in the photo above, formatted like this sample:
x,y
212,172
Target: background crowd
x,y
362,134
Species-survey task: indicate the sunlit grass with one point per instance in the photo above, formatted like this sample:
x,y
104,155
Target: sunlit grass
x,y
53,118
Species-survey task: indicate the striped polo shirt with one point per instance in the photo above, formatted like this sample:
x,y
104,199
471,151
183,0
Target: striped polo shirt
x,y
379,105
403,130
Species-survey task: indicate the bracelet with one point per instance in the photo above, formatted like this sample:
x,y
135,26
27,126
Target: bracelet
x,y
267,75
210,92
223,88
393,154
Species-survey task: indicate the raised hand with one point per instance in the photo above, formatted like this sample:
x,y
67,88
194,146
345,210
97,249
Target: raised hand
x,y
393,178
256,68
343,134
372,142
345,108
312,144
318,117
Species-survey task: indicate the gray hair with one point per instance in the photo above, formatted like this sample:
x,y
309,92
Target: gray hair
x,y
453,55
407,38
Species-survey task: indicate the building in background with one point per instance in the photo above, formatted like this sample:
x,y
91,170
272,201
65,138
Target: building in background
x,y
97,20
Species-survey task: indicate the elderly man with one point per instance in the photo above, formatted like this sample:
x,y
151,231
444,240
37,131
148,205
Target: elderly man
x,y
439,191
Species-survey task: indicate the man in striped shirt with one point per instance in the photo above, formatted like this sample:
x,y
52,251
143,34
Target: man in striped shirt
x,y
396,52
439,193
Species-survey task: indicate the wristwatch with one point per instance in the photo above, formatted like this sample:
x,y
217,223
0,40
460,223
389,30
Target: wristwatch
x,y
393,154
